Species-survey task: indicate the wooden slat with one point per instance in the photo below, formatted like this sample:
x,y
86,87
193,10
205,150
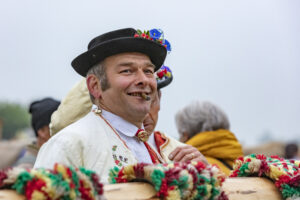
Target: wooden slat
x,y
129,191
250,188
10,195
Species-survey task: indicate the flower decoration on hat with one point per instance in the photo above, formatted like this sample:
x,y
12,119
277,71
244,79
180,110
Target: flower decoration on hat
x,y
284,173
60,183
163,77
175,180
156,35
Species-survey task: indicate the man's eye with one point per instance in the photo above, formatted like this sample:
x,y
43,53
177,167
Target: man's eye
x,y
126,71
149,71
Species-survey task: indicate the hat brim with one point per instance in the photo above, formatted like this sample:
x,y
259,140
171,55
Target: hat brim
x,y
156,52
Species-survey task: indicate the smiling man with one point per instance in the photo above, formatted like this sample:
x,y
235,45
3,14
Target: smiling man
x,y
119,68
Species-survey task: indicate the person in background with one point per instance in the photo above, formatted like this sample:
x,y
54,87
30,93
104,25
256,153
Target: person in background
x,y
41,112
206,127
291,151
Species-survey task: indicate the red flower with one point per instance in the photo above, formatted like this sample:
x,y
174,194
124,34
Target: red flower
x,y
160,74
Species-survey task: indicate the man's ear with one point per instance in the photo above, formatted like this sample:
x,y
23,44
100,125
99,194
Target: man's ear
x,y
93,85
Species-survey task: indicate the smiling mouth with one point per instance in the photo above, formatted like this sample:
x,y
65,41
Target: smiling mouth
x,y
143,95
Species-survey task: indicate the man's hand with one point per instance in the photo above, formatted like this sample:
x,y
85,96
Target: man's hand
x,y
187,153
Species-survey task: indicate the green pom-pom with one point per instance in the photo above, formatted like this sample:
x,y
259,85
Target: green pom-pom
x,y
21,181
288,191
113,174
244,170
157,177
202,192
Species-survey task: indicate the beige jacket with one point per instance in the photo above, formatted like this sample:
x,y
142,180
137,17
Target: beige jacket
x,y
92,143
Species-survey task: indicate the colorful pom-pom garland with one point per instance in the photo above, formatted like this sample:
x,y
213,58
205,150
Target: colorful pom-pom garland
x,y
175,180
284,173
60,183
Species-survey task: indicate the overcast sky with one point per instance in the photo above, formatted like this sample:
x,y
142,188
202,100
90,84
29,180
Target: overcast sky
x,y
241,55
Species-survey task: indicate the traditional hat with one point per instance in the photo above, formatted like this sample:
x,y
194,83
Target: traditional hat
x,y
120,41
41,112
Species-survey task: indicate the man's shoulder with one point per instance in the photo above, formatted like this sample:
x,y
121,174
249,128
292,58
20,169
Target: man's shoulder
x,y
84,127
89,121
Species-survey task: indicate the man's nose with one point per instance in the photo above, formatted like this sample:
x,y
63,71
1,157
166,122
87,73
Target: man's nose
x,y
142,78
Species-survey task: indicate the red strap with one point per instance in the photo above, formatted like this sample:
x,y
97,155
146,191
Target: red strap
x,y
152,153
159,140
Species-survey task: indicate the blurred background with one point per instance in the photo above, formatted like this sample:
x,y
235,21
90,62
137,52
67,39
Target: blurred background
x,y
243,56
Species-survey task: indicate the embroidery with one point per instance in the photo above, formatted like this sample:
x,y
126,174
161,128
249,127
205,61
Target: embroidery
x,y
119,160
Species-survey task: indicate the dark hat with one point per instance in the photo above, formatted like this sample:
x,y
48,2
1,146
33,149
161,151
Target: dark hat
x,y
115,42
164,77
41,112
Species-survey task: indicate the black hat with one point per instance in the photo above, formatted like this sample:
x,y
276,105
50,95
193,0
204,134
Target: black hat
x,y
41,112
115,42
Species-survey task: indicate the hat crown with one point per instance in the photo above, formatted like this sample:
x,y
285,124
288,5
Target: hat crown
x,y
121,33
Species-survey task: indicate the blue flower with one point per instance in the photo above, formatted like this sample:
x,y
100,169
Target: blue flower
x,y
165,67
167,43
155,34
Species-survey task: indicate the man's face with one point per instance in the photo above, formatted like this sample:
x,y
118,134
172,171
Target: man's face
x,y
129,75
43,135
152,117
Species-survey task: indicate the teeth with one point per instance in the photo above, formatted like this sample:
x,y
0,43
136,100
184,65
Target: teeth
x,y
136,94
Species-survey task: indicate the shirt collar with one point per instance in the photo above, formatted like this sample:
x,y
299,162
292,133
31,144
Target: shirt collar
x,y
120,124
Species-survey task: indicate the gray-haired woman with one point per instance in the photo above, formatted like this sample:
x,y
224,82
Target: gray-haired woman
x,y
206,127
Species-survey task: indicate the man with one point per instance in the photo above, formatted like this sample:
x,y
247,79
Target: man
x,y
119,68
41,112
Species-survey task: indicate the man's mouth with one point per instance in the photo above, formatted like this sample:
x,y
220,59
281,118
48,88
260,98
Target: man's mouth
x,y
144,95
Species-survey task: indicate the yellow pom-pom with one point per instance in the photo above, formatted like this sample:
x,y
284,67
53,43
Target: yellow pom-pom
x,y
37,195
129,172
173,194
275,172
